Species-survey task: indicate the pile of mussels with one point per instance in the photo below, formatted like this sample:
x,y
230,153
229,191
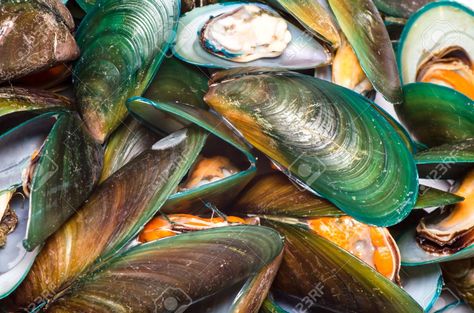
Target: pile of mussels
x,y
194,156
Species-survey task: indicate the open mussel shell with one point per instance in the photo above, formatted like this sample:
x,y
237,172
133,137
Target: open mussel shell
x,y
448,161
19,104
15,261
423,283
354,286
119,208
273,197
113,215
37,36
63,163
315,16
122,45
127,142
188,87
414,255
400,8
435,114
303,51
363,26
440,30
218,192
327,137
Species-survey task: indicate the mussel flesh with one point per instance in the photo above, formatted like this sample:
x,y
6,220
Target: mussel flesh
x,y
246,34
346,70
373,245
448,231
226,34
173,224
8,217
207,170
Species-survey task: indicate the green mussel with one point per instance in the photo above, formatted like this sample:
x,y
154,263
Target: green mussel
x,y
122,45
363,26
49,165
327,137
119,208
400,8
436,115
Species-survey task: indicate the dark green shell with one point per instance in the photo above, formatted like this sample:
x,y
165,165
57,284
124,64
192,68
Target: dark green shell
x,y
122,44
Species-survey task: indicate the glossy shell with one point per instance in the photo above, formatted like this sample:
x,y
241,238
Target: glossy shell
x,y
296,120
122,45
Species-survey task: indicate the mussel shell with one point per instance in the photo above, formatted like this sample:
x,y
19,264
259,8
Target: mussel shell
x,y
435,114
122,45
447,161
113,215
67,169
19,104
459,276
433,28
347,283
127,142
36,35
326,136
413,255
186,268
429,197
400,8
275,195
424,284
219,193
188,87
15,261
86,5
18,145
363,26
314,16
303,52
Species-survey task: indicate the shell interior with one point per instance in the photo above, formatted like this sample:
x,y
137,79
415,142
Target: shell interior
x,y
435,29
302,52
450,230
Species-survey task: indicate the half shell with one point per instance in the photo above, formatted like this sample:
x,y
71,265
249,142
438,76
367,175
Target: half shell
x,y
303,52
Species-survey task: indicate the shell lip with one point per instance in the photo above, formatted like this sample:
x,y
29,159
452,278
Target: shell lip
x,y
412,21
239,144
242,175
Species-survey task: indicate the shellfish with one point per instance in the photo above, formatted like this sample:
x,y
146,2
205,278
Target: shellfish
x,y
35,35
